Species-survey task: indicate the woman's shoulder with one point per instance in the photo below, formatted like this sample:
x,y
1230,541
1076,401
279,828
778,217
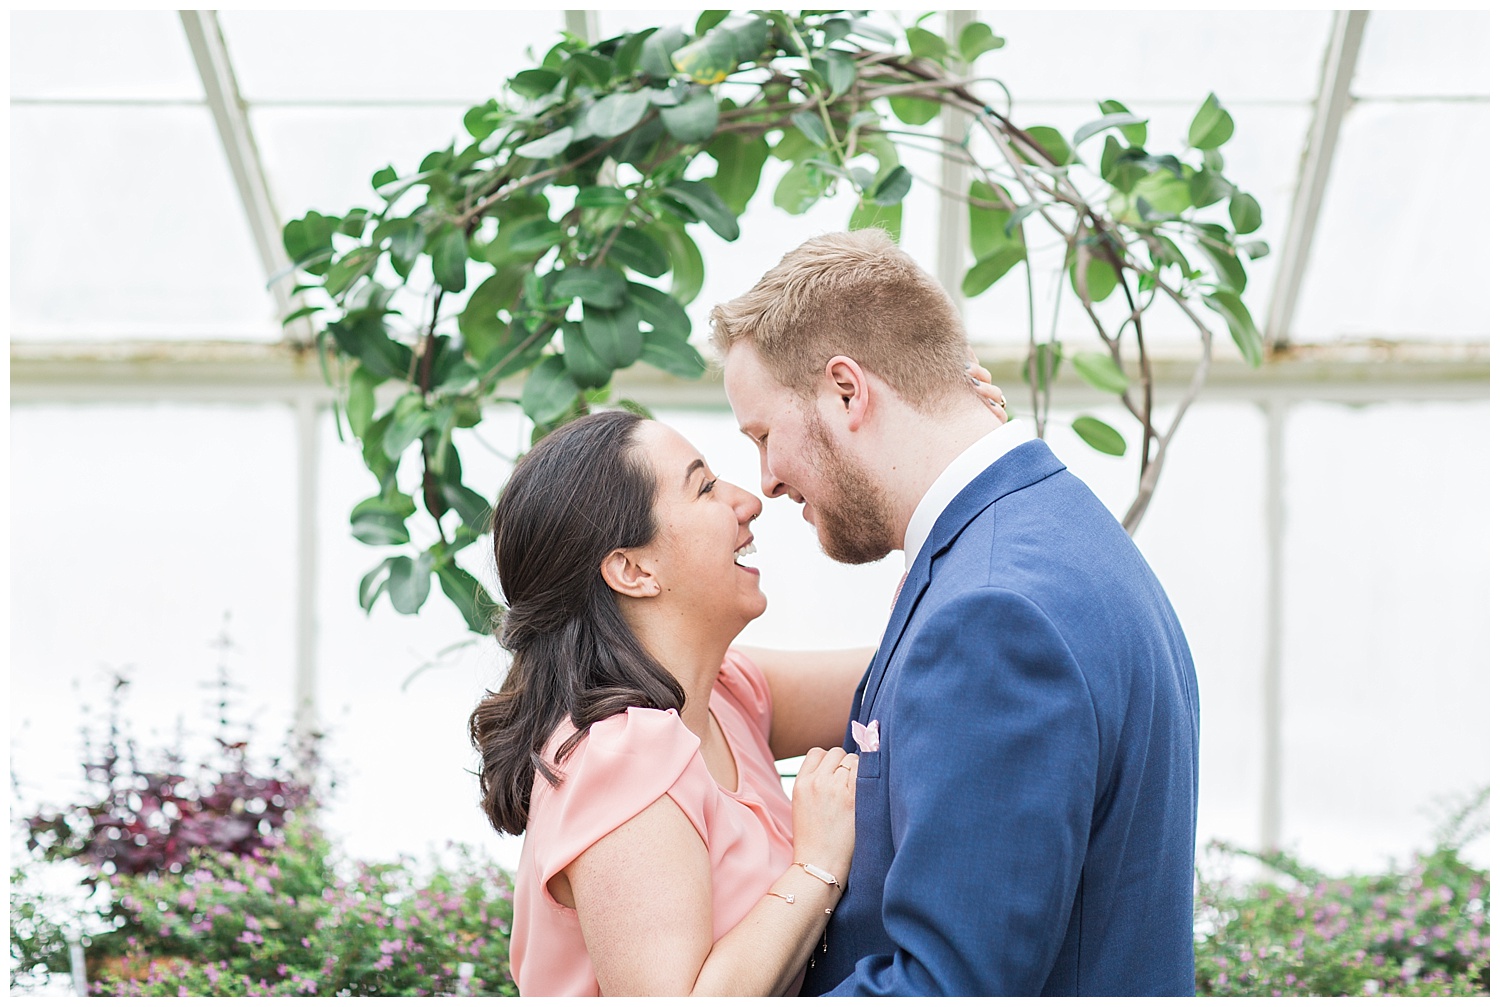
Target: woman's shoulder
x,y
638,747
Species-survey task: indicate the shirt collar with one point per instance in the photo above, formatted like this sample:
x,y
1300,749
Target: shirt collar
x,y
960,472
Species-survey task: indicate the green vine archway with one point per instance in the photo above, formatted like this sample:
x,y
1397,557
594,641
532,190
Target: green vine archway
x,y
556,242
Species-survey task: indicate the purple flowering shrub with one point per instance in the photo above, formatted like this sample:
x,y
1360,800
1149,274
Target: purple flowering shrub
x,y
1422,931
284,922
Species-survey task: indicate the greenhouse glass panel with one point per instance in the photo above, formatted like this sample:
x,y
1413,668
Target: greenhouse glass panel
x,y
113,55
1387,661
1400,256
125,223
383,56
1424,54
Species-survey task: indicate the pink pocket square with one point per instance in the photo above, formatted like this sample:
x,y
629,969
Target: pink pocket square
x,y
867,738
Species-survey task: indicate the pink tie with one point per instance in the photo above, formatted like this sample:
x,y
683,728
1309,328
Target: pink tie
x,y
897,595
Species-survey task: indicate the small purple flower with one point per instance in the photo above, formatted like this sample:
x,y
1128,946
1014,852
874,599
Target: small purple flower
x,y
382,963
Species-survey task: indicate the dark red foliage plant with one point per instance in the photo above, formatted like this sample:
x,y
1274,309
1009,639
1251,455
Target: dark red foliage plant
x,y
145,816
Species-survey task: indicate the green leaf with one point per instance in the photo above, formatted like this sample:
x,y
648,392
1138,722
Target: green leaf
x,y
1101,371
596,68
1099,435
1212,126
675,356
1214,241
450,255
869,213
660,311
976,39
355,263
984,273
1051,141
1241,326
1166,194
811,127
1256,249
751,37
309,241
687,262
360,407
708,20
635,249
602,287
479,322
741,158
385,176
615,113
1208,187
469,597
407,242
1135,135
693,121
1244,212
535,83
584,365
656,54
364,337
987,226
1097,280
838,69
535,236
409,420
549,391
381,521
614,335
1115,120
927,45
800,188
1050,355
374,583
596,197
893,188
710,59
914,111
705,202
628,53
479,121
410,582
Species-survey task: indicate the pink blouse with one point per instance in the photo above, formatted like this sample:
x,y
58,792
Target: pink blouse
x,y
624,764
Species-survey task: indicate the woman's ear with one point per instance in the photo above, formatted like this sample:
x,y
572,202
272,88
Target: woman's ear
x,y
625,575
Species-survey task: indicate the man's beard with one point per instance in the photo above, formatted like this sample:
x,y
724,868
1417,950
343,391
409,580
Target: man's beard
x,y
856,520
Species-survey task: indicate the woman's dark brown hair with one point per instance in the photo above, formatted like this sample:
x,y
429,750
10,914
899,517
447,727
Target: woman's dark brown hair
x,y
580,493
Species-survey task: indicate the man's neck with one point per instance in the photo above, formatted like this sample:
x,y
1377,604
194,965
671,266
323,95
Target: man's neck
x,y
922,447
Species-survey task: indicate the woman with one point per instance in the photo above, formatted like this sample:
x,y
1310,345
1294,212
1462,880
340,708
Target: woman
x,y
635,750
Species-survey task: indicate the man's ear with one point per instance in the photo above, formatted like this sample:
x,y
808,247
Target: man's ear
x,y
852,385
625,575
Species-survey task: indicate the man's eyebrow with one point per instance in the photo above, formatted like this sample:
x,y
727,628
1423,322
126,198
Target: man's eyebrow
x,y
693,466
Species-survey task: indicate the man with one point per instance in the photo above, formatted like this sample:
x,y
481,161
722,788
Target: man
x,y
1028,729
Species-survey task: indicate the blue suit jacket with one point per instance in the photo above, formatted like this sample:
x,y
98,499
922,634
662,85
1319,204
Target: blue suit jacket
x,y
1027,823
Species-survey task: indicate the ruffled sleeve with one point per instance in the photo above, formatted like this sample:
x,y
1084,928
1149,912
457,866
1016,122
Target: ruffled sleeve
x,y
621,768
745,685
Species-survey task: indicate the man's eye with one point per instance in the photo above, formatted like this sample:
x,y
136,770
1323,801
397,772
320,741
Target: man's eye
x,y
708,487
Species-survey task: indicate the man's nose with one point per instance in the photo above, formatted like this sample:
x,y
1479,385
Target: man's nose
x,y
770,486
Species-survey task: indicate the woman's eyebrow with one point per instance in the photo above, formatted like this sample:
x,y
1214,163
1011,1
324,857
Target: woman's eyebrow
x,y
693,466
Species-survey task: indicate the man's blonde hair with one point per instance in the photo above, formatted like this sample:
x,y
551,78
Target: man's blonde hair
x,y
852,293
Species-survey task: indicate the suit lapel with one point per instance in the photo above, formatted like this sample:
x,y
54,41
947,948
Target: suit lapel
x,y
1021,467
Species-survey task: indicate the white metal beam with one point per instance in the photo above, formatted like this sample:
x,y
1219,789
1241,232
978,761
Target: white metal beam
x,y
1312,181
583,23
222,93
251,372
953,216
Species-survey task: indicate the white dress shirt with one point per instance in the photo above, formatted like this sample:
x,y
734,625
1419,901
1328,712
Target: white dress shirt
x,y
960,472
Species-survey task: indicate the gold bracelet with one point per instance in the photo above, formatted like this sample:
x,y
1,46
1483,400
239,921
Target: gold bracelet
x,y
791,900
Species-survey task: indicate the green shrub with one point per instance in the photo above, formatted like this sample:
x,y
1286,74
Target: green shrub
x,y
284,922
1422,931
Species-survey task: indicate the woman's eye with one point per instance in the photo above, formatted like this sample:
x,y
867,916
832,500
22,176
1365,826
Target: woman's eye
x,y
708,487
